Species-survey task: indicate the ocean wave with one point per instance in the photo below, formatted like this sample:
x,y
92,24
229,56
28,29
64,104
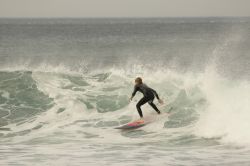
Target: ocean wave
x,y
205,105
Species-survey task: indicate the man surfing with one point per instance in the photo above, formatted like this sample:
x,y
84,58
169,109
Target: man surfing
x,y
148,96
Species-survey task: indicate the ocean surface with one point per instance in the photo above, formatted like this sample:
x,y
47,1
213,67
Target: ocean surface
x,y
65,85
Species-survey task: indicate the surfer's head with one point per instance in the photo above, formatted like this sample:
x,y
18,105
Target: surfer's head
x,y
138,80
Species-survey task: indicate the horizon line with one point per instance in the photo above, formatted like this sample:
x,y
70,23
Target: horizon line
x,y
124,17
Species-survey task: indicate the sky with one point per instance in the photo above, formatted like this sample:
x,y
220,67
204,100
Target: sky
x,y
124,8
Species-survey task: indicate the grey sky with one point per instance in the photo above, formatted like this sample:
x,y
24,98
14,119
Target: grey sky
x,y
123,8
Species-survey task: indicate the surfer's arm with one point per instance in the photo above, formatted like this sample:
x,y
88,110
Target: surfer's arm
x,y
134,92
155,93
157,96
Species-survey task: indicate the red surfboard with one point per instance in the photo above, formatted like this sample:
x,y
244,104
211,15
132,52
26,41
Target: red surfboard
x,y
133,125
140,123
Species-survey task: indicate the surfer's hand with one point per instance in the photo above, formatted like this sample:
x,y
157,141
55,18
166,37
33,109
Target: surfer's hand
x,y
160,101
131,98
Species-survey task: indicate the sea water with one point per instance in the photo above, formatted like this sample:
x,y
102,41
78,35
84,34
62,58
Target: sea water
x,y
65,85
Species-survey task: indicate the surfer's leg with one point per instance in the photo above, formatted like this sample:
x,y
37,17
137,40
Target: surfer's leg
x,y
139,104
154,106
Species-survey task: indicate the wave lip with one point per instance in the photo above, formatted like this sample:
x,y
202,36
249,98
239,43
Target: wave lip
x,y
227,115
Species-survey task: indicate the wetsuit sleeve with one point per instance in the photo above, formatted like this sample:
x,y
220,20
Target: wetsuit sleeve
x,y
135,90
155,93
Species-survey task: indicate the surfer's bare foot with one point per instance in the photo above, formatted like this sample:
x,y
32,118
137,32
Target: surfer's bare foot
x,y
140,120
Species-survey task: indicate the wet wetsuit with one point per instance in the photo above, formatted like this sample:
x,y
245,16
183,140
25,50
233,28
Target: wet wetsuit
x,y
148,97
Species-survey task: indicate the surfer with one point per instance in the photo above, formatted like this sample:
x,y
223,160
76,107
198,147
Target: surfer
x,y
148,96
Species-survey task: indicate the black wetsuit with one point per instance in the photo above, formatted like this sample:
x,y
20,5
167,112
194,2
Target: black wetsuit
x,y
148,97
